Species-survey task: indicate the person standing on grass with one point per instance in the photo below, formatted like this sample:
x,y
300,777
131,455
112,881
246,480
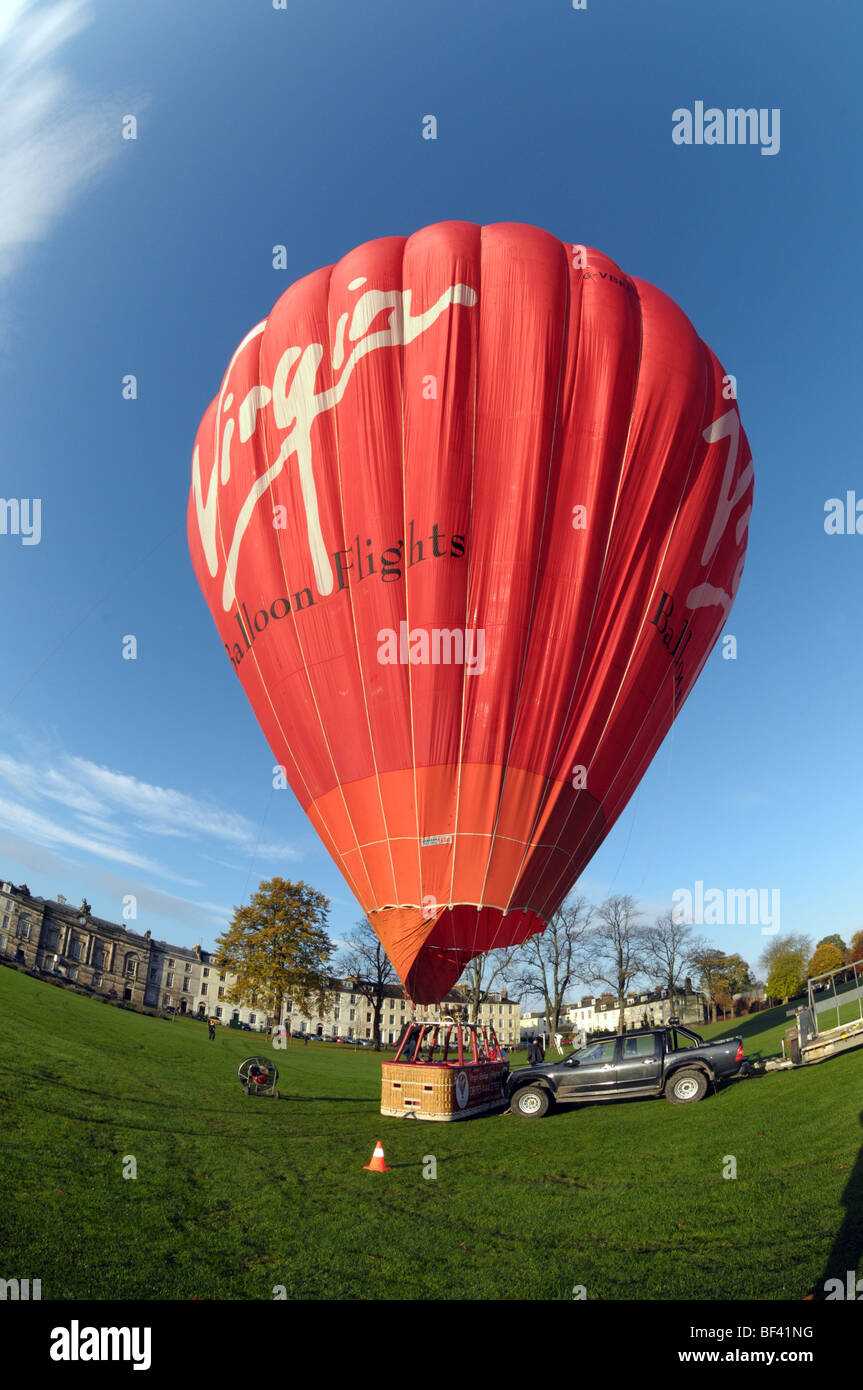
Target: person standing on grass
x,y
211,1023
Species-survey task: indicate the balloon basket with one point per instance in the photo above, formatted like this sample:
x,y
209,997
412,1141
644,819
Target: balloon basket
x,y
444,1071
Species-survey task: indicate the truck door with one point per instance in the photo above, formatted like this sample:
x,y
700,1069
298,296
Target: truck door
x,y
589,1072
639,1062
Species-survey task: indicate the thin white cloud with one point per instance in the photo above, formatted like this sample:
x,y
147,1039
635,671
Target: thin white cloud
x,y
54,137
163,811
111,810
44,831
109,891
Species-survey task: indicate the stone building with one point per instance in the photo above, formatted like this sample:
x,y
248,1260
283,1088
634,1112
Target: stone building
x,y
58,939
53,938
350,1015
601,1014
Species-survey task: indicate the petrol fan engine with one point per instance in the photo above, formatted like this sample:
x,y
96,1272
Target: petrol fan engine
x,y
259,1077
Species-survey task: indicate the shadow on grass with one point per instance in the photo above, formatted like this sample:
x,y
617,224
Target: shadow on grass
x,y
847,1248
420,1163
35,1082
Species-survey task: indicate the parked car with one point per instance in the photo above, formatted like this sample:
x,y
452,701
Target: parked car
x,y
672,1061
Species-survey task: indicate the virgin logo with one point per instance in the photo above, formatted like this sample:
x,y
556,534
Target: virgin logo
x,y
295,408
704,595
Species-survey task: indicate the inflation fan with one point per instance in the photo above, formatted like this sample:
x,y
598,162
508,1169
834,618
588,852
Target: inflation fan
x,y
259,1077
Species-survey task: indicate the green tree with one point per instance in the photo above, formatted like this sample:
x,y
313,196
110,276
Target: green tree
x,y
786,976
826,956
720,976
794,943
278,948
791,953
833,940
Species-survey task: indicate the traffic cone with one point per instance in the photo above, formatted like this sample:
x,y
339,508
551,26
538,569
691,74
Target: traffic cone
x,y
377,1164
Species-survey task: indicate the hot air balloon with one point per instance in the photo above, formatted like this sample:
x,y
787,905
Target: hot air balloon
x,y
469,511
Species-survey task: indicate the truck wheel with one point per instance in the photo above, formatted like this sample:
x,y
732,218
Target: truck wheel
x,y
531,1102
686,1087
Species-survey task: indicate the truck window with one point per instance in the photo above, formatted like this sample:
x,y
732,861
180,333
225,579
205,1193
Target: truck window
x,y
595,1052
680,1041
643,1045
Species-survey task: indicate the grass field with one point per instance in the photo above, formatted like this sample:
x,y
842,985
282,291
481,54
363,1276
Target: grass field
x,y
235,1195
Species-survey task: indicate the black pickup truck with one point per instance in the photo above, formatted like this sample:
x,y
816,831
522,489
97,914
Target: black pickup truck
x,y
671,1061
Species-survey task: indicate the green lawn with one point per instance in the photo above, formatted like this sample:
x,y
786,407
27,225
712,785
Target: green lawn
x,y
235,1195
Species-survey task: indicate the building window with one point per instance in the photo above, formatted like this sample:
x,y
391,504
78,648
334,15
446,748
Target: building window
x,y
205,972
73,972
24,929
76,948
185,986
221,991
97,979
169,981
352,1015
368,1032
222,978
335,1013
52,938
203,989
218,1012
251,1018
188,969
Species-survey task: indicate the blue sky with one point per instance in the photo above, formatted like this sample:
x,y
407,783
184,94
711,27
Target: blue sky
x,y
154,257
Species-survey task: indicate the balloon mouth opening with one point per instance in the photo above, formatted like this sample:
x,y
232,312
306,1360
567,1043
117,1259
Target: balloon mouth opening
x,y
458,933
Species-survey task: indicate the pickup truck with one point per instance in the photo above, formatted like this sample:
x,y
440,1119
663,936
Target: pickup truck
x,y
671,1061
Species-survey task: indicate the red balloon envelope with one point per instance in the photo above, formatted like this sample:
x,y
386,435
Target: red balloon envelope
x,y
469,511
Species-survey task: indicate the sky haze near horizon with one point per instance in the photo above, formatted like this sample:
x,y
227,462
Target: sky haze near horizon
x,y
153,256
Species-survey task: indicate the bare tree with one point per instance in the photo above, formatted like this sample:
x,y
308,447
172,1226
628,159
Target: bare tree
x,y
481,973
668,952
552,960
618,942
367,967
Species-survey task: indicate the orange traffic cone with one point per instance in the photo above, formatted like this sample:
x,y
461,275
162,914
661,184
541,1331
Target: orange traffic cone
x,y
377,1164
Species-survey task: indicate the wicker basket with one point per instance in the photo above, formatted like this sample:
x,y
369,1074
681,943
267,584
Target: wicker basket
x,y
442,1090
